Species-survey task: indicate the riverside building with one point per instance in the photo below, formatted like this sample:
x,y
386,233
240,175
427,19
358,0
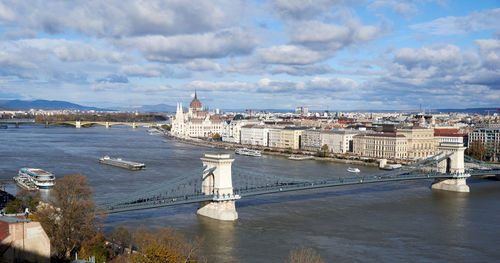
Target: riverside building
x,y
196,122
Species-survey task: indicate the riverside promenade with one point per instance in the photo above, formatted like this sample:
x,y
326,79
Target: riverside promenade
x,y
264,150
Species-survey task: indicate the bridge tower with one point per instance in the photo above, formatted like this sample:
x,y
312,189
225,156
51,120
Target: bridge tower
x,y
453,165
218,183
78,124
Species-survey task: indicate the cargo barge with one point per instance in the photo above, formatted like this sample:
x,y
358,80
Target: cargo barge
x,y
118,162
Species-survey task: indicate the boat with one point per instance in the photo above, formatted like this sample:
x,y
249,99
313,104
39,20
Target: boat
x,y
248,152
118,162
391,167
353,170
3,126
300,158
33,178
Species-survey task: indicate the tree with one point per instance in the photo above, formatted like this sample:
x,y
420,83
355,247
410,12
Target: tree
x,y
323,151
122,238
164,245
95,247
24,199
69,218
216,137
304,255
477,150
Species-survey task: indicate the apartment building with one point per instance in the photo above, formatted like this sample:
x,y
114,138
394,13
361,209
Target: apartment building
x,y
252,134
381,145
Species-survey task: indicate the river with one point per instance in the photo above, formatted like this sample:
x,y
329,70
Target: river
x,y
385,222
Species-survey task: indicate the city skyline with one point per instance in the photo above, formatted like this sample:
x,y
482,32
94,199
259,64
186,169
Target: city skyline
x,y
348,55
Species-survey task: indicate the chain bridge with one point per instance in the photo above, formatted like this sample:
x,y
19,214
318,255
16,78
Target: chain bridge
x,y
217,186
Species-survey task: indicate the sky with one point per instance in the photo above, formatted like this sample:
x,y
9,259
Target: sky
x,y
279,54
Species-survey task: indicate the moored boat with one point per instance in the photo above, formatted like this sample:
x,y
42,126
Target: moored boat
x,y
300,158
353,170
248,152
32,179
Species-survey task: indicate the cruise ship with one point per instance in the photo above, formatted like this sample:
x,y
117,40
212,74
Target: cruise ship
x,y
32,179
248,152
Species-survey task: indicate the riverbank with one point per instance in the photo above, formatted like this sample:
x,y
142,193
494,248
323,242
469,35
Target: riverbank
x,y
265,150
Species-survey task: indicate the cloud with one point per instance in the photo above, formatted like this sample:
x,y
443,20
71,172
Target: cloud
x,y
302,9
227,42
113,78
320,36
452,25
77,52
118,18
15,65
289,55
147,70
302,70
400,7
489,50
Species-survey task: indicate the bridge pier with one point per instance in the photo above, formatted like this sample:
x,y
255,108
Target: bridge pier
x,y
218,183
453,185
78,124
107,125
453,165
134,125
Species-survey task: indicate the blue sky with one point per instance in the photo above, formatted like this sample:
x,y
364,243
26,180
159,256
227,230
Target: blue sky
x,y
335,54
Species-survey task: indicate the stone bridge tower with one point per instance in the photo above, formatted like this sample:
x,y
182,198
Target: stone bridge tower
x,y
218,183
454,166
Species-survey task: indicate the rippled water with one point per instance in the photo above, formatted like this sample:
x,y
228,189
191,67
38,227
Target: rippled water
x,y
397,221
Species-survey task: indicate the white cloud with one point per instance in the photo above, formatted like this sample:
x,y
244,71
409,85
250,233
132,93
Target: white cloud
x,y
120,18
452,25
489,50
289,54
320,36
228,42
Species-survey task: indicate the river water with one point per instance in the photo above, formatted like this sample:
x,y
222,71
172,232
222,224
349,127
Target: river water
x,y
385,222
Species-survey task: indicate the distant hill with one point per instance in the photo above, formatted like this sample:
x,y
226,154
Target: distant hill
x,y
45,105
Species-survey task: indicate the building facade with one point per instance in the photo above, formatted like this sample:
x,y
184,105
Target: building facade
x,y
311,140
291,137
381,145
338,141
196,122
490,139
421,141
275,137
252,134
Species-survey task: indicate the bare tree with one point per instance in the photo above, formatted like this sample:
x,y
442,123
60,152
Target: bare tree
x,y
477,150
69,218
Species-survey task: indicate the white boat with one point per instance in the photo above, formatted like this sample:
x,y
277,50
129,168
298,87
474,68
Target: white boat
x,y
353,170
300,158
248,152
32,178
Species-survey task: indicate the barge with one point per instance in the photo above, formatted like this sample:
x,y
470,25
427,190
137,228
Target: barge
x,y
118,162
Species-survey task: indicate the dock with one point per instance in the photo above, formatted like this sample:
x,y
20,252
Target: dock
x,y
118,162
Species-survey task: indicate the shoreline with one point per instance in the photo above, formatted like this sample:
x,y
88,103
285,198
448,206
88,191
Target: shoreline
x,y
232,147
